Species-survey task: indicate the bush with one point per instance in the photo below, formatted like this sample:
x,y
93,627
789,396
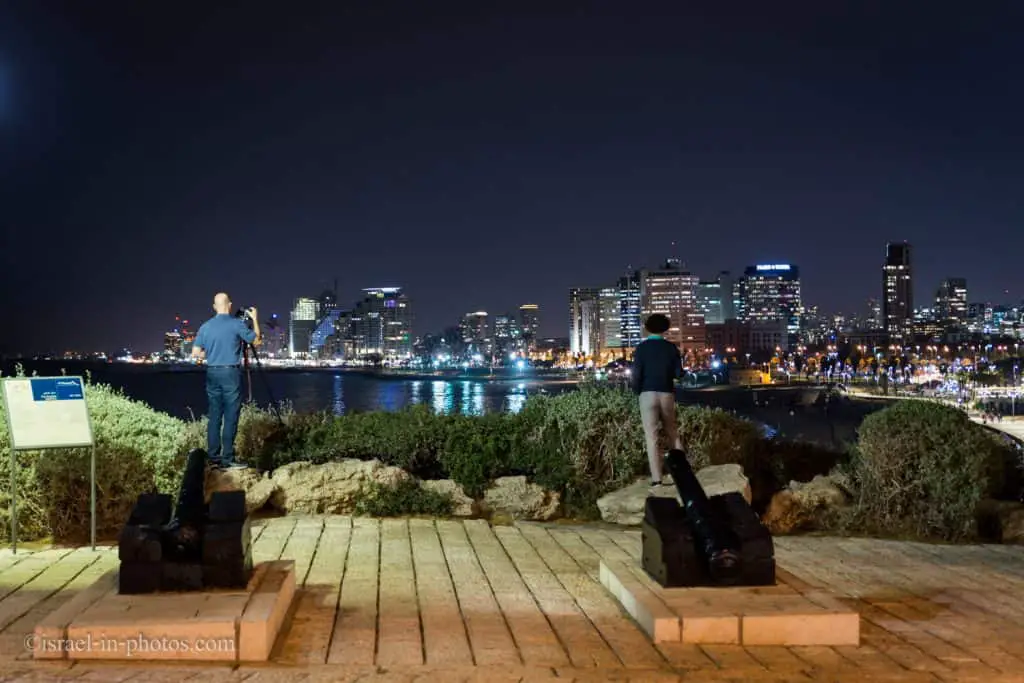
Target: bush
x,y
137,450
921,469
405,498
582,444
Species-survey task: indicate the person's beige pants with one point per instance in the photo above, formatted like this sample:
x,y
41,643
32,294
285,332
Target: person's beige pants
x,y
658,410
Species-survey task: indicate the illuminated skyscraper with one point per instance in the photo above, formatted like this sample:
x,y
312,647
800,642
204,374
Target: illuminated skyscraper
x,y
301,325
897,292
584,321
770,293
529,325
630,312
476,333
672,291
381,325
951,301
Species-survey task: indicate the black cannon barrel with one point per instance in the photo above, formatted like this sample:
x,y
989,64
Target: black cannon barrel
x,y
718,545
191,507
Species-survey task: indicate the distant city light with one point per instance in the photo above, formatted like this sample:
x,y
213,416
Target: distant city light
x,y
774,266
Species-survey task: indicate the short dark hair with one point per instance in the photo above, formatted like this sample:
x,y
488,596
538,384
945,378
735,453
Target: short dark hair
x,y
657,324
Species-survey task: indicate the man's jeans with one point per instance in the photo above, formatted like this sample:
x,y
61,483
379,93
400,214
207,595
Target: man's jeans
x,y
224,394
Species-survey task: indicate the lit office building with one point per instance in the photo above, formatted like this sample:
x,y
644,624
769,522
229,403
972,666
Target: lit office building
x,y
951,301
610,318
529,325
584,321
301,325
630,312
508,337
475,333
381,325
714,299
672,291
770,294
275,337
172,344
897,292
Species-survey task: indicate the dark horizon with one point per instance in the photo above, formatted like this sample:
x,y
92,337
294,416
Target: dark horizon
x,y
483,157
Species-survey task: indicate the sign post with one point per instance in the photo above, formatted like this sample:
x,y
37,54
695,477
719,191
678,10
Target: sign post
x,y
44,413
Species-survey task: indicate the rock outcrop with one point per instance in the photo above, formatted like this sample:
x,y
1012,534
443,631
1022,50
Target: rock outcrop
x,y
801,505
462,505
626,505
519,499
258,487
330,488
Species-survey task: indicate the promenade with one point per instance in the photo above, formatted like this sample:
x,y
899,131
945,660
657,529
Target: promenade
x,y
404,600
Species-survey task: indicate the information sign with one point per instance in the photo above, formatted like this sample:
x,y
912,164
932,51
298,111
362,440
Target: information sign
x,y
47,412
44,413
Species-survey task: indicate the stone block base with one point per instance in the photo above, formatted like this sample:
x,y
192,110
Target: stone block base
x,y
762,615
215,625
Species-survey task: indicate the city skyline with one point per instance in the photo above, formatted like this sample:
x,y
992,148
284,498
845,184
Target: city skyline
x,y
482,157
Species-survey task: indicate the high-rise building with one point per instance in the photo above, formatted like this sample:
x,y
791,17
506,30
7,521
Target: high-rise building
x,y
610,318
508,337
770,293
529,325
897,292
584,321
301,325
874,321
672,291
172,344
714,299
275,337
381,325
951,301
630,311
476,334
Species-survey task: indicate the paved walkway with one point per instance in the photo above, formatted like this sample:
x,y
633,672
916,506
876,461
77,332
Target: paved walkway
x,y
401,600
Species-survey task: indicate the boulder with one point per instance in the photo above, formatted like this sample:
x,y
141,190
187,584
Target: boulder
x,y
719,479
626,505
330,488
258,487
464,506
520,499
802,504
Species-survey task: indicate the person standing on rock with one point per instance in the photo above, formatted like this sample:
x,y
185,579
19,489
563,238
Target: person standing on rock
x,y
220,341
657,365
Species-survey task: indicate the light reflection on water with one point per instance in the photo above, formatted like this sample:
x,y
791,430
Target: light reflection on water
x,y
183,393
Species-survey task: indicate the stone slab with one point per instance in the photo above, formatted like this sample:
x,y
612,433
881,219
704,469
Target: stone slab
x,y
211,626
757,615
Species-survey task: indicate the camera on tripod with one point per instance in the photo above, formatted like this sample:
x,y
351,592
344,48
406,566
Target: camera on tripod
x,y
244,314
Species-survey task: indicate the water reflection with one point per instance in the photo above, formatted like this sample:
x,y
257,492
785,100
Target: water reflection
x,y
443,397
416,393
338,396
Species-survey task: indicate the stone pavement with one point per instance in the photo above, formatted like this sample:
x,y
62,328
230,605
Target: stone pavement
x,y
403,600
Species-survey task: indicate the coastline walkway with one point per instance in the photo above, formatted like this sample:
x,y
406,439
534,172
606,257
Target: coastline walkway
x,y
418,599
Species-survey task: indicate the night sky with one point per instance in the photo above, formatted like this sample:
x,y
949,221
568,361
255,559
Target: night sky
x,y
488,154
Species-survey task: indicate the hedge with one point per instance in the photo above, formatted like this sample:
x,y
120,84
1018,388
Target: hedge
x,y
918,469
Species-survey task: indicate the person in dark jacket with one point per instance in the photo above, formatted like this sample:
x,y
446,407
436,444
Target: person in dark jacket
x,y
656,367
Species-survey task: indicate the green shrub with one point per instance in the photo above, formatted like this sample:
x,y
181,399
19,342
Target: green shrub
x,y
921,469
405,498
137,450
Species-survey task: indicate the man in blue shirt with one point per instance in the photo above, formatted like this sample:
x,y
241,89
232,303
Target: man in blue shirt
x,y
220,342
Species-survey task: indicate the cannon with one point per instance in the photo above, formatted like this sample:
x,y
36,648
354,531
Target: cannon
x,y
197,547
716,541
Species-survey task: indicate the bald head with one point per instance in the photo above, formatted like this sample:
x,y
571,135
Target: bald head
x,y
222,303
